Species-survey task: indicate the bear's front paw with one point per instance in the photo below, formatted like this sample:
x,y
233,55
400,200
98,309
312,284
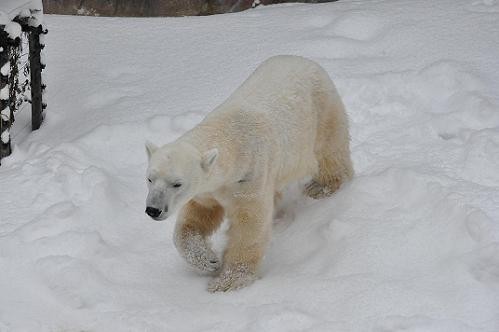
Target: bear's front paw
x,y
232,278
205,260
197,252
210,262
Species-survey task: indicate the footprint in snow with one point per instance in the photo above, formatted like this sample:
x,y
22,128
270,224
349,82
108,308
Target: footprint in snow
x,y
484,264
318,22
357,26
484,6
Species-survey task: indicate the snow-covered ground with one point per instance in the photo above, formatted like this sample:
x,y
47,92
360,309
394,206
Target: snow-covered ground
x,y
411,244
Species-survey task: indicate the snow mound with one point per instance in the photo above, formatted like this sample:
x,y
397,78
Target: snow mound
x,y
357,26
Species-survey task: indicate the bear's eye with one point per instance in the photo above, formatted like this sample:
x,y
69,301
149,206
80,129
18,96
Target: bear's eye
x,y
177,185
149,180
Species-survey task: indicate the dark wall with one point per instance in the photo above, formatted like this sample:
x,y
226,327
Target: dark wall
x,y
152,7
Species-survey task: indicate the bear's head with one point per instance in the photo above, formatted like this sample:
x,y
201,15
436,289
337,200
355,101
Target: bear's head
x,y
176,173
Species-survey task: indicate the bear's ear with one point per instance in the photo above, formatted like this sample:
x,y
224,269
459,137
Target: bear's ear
x,y
150,148
208,159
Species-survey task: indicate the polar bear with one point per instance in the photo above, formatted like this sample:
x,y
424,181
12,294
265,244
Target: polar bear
x,y
284,123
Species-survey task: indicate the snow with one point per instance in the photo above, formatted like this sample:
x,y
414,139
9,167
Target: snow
x,y
13,29
5,114
411,244
4,92
10,9
41,38
43,60
5,70
5,137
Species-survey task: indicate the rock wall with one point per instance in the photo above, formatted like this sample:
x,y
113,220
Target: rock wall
x,y
153,7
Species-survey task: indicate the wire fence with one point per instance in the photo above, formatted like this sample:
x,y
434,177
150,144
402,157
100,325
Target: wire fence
x,y
21,85
21,96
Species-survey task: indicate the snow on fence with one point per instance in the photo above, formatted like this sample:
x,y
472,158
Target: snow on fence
x,y
21,28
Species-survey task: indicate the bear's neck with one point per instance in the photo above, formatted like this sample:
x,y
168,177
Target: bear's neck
x,y
204,138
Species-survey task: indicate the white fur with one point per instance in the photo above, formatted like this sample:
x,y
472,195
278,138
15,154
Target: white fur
x,y
285,122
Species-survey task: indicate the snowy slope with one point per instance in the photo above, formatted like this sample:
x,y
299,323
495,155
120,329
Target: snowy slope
x,y
411,244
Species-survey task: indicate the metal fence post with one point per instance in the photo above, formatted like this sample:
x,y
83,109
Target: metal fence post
x,y
5,118
36,67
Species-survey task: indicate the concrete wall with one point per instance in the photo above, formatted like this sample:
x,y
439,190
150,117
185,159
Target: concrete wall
x,y
152,7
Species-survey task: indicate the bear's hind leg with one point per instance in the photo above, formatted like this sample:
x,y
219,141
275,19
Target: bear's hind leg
x,y
195,224
332,151
333,172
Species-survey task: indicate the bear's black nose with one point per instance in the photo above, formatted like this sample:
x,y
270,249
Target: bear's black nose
x,y
153,212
